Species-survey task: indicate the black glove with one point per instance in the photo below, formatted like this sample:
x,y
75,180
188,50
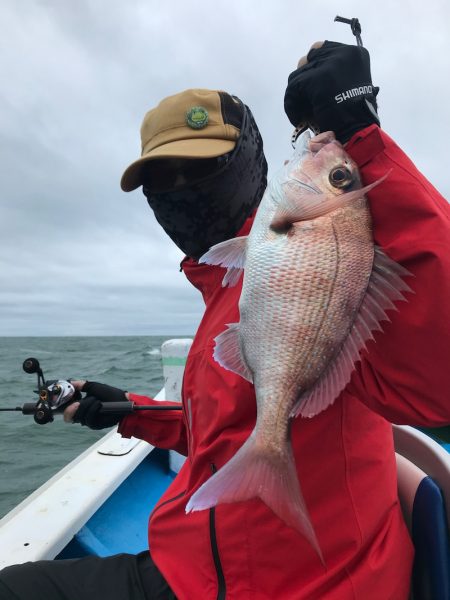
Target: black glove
x,y
88,412
333,91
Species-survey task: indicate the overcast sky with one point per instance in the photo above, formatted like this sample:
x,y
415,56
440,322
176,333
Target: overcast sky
x,y
80,257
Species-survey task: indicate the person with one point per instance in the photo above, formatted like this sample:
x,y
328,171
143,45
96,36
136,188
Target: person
x,y
346,460
203,172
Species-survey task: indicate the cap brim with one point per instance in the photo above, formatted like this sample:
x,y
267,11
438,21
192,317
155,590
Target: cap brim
x,y
198,148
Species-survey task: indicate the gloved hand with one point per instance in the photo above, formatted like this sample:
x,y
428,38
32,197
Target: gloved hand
x,y
88,411
332,91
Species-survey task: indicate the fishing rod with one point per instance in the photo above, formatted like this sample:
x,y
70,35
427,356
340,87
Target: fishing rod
x,y
355,25
55,395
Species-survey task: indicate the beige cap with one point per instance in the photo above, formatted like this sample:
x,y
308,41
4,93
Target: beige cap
x,y
192,124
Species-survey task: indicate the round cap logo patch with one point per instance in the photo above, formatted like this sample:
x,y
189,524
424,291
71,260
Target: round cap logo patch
x,y
197,117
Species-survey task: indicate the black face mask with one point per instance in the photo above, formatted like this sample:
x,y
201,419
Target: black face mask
x,y
212,209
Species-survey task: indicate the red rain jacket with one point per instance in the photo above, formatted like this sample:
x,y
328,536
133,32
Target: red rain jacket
x,y
344,456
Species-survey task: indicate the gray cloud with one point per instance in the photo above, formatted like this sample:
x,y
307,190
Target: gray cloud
x,y
78,256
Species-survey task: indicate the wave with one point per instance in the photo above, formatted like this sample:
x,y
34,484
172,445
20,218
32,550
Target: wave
x,y
35,351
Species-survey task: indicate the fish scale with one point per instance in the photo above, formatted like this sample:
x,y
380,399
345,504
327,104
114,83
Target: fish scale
x,y
314,289
304,295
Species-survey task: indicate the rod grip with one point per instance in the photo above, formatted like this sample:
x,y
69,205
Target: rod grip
x,y
119,408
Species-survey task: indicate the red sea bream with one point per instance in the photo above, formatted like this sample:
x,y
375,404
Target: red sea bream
x,y
315,286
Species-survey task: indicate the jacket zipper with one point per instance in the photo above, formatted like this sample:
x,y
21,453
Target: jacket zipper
x,y
221,585
167,502
187,409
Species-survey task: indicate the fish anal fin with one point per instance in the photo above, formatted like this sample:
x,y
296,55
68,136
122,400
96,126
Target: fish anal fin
x,y
227,352
252,473
230,254
385,286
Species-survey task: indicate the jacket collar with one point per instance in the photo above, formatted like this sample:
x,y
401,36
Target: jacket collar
x,y
208,278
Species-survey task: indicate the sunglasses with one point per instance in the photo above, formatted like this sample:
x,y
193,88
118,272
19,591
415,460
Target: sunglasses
x,y
161,175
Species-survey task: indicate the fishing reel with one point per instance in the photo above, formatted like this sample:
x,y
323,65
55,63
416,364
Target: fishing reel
x,y
54,395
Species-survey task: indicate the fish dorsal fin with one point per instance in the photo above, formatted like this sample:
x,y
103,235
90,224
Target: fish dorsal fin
x,y
385,286
230,254
227,352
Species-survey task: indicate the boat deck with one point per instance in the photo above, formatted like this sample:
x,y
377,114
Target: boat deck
x,y
104,534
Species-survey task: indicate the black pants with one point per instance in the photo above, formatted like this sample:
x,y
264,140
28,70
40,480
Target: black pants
x,y
120,577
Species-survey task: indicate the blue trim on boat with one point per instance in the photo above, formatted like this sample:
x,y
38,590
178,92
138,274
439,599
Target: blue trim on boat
x,y
121,523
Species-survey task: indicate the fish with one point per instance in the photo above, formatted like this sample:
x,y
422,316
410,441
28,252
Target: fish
x,y
315,288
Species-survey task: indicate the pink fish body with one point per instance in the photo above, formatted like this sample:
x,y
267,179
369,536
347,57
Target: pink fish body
x,y
314,289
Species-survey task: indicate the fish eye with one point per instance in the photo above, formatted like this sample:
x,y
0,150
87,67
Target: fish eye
x,y
340,177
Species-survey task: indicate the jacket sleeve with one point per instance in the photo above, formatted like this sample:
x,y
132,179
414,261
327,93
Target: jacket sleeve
x,y
404,374
161,428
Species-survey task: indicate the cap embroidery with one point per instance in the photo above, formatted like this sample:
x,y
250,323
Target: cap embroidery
x,y
197,117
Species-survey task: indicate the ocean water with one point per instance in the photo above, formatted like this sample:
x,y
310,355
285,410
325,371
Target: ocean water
x,y
31,453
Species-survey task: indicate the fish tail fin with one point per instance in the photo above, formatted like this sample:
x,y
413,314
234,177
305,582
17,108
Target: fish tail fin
x,y
253,473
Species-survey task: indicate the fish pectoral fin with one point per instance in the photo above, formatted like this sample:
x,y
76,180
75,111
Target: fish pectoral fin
x,y
385,287
294,207
227,352
299,205
230,254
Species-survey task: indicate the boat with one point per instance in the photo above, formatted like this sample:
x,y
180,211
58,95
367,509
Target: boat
x,y
120,480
